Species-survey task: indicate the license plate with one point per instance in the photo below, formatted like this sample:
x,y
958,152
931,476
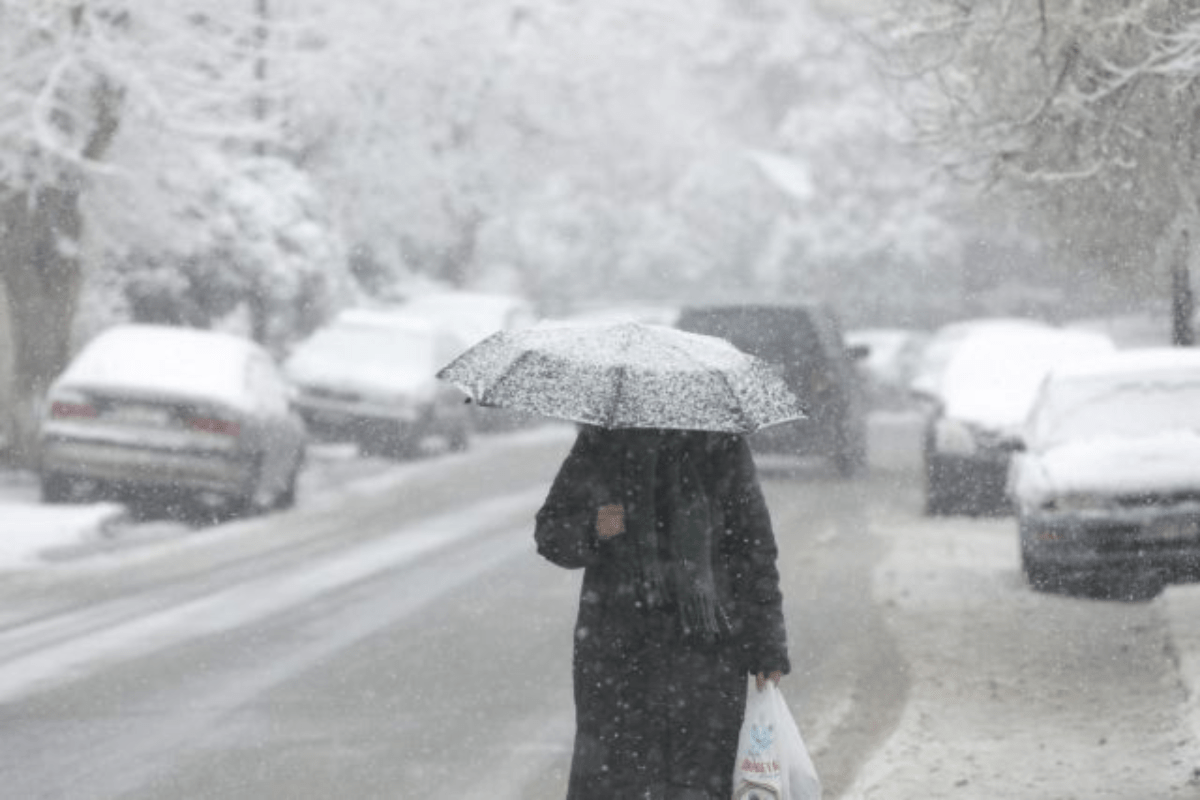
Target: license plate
x,y
139,416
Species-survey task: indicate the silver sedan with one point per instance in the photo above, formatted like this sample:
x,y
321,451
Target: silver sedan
x,y
147,408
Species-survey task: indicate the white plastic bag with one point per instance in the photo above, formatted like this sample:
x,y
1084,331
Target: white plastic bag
x,y
772,761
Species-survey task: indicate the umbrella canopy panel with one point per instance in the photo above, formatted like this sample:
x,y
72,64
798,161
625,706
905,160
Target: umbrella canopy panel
x,y
626,375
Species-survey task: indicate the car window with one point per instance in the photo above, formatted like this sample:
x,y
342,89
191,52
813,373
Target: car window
x,y
365,348
1082,410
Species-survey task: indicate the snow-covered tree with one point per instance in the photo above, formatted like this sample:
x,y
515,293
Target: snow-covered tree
x,y
872,226
1089,107
131,123
609,146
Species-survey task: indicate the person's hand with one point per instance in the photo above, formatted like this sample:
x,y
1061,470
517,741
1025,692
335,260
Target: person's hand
x,y
610,521
760,680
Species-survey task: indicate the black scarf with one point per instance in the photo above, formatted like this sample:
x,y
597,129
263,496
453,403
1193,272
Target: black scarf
x,y
667,547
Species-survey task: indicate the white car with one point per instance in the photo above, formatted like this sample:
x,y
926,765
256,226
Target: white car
x,y
369,377
981,398
149,408
1108,480
471,316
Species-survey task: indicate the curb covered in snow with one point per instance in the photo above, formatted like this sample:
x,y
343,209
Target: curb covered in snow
x,y
28,531
1181,605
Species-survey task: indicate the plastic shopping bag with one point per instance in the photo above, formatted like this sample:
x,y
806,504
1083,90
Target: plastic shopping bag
x,y
772,761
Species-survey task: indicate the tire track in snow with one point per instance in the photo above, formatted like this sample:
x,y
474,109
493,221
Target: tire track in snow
x,y
67,646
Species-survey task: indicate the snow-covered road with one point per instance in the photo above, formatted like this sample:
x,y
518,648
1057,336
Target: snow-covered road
x,y
396,632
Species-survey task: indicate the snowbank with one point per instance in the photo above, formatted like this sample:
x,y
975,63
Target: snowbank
x,y
1181,605
29,530
1019,694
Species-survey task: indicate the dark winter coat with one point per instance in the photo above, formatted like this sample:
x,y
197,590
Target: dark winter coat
x,y
658,712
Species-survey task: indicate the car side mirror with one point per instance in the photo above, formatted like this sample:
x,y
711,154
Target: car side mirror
x,y
924,395
858,352
1013,444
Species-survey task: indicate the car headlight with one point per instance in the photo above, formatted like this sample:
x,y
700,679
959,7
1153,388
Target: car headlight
x,y
952,437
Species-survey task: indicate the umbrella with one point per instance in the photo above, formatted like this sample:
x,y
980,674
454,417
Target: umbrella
x,y
625,375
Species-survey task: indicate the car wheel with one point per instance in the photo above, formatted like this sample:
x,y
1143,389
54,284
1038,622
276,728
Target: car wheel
x,y
371,446
57,488
287,496
251,501
937,501
850,459
401,445
1038,574
849,450
459,439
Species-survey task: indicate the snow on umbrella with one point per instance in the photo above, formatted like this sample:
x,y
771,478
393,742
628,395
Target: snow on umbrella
x,y
625,375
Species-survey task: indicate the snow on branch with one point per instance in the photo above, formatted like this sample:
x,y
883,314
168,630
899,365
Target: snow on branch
x,y
69,68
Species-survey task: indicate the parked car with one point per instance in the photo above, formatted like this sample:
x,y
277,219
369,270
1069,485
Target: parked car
x,y
471,316
977,403
1108,479
368,377
937,352
805,342
149,407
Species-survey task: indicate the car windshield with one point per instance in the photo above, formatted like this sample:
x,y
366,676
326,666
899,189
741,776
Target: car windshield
x,y
1085,410
939,351
355,349
993,377
473,316
775,335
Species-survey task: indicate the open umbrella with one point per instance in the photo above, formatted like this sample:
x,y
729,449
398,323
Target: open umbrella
x,y
625,375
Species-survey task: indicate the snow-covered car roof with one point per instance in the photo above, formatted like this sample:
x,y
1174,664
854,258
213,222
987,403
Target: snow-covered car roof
x,y
159,359
993,376
386,317
1135,363
1126,423
472,315
940,348
1128,393
368,348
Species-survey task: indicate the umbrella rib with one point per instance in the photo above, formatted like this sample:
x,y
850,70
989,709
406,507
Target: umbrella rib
x,y
740,407
741,412
508,373
622,378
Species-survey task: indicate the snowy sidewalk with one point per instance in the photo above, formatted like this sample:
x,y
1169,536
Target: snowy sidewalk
x,y
29,528
1181,604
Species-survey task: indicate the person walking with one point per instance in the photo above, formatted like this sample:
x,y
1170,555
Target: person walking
x,y
680,602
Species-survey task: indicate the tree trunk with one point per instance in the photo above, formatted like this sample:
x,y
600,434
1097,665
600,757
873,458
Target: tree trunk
x,y
42,276
1187,221
1183,333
